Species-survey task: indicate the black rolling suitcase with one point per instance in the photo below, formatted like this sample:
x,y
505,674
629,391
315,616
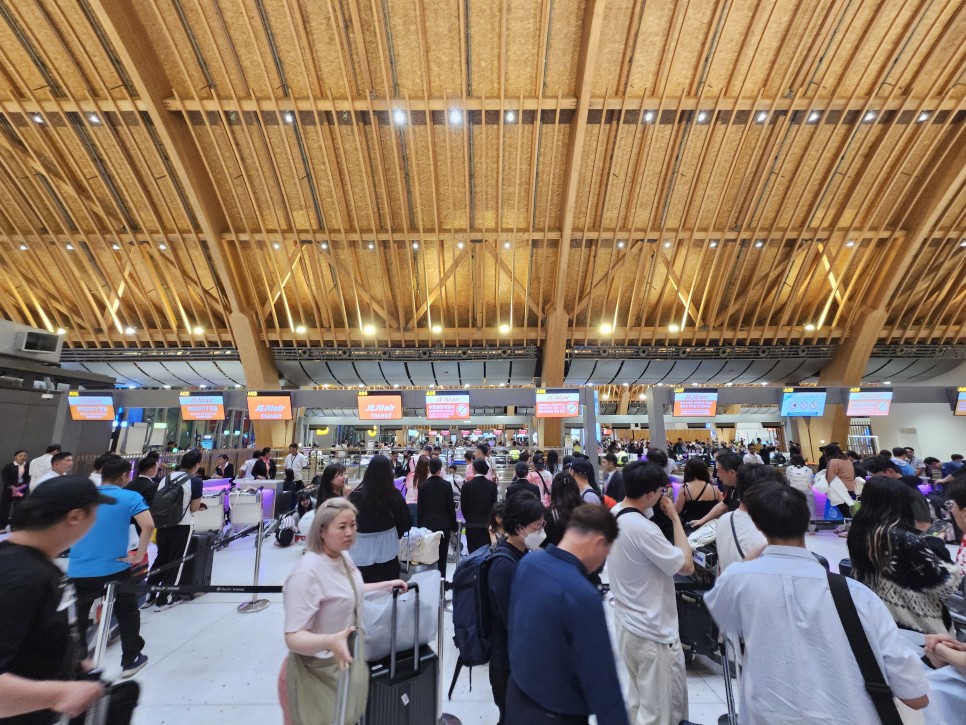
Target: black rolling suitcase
x,y
197,570
402,686
845,567
696,628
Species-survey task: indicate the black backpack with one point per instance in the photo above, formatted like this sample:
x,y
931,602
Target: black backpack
x,y
168,507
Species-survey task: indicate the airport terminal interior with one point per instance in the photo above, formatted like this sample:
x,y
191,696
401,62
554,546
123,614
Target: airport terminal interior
x,y
286,235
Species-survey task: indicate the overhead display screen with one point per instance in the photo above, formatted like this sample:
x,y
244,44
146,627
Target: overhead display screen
x,y
961,402
202,407
557,403
803,402
269,406
868,403
695,403
447,405
380,407
91,407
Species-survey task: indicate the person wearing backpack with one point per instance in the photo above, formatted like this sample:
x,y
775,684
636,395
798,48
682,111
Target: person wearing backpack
x,y
177,498
523,523
583,472
541,478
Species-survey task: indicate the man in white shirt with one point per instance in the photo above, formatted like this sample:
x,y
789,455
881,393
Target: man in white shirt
x,y
737,537
752,456
60,465
40,465
781,606
296,461
641,567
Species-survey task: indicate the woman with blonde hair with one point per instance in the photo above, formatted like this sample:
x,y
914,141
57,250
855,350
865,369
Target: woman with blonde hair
x,y
322,598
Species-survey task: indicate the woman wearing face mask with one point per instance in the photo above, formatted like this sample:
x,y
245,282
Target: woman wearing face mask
x,y
523,524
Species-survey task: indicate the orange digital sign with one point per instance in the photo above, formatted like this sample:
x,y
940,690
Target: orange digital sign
x,y
269,406
699,403
380,407
91,407
202,407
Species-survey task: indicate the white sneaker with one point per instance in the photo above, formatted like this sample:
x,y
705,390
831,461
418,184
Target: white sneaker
x,y
170,605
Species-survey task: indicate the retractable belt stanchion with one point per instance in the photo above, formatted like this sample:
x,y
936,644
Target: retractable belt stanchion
x,y
256,605
104,625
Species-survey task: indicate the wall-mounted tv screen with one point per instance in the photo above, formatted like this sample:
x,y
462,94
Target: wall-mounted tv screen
x,y
695,403
195,406
960,402
381,406
869,402
274,405
447,405
91,407
557,403
803,402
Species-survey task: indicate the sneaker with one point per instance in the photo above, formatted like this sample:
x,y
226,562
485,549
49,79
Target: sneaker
x,y
169,605
149,602
135,666
844,534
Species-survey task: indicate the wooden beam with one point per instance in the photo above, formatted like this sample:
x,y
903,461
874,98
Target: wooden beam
x,y
123,24
437,289
517,284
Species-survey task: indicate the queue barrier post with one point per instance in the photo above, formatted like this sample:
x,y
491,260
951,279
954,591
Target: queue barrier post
x,y
256,605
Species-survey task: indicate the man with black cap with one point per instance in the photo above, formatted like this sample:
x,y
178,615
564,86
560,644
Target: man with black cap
x,y
40,660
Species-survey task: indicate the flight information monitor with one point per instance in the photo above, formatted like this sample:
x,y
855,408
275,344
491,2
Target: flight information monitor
x,y
273,405
90,407
381,406
195,406
557,403
447,405
960,402
695,403
869,402
803,402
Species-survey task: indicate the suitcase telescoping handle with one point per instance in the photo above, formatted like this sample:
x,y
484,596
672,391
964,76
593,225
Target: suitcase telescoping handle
x,y
396,591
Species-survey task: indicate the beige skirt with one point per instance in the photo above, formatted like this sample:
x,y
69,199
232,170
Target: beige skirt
x,y
311,684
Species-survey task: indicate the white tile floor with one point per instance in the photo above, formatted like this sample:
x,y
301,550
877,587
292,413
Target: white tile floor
x,y
211,664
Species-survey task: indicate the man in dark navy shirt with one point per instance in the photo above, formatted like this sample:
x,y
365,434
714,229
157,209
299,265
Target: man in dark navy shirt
x,y
563,663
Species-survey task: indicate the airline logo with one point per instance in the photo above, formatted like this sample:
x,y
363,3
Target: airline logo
x,y
695,403
202,407
91,407
380,407
557,403
269,407
443,405
869,403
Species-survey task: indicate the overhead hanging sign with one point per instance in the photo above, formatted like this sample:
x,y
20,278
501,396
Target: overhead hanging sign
x,y
202,407
273,405
557,403
447,405
803,402
90,407
381,406
695,403
869,403
960,402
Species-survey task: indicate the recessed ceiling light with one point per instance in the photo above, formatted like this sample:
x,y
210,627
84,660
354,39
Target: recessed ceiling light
x,y
456,116
814,116
869,117
606,328
702,116
69,247
504,328
163,247
627,385
887,382
620,245
437,329
809,327
203,386
23,247
290,117
372,245
129,330
368,330
764,382
399,117
502,385
324,246
38,118
850,243
760,243
506,245
466,385
61,331
415,245
761,117
116,247
361,385
674,328
300,330
605,396
642,396
459,245
962,244
166,387
648,116
93,118
396,385
198,330
510,116
924,116
276,245
132,386
714,243
667,245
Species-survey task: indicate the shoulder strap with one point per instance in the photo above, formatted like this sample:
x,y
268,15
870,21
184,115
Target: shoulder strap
x,y
734,532
629,509
703,489
875,683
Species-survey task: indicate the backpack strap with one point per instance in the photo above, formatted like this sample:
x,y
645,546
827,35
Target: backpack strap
x,y
734,532
627,510
875,683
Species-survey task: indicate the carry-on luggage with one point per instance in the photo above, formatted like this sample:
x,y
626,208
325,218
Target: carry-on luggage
x,y
845,567
245,507
197,570
212,517
402,686
696,628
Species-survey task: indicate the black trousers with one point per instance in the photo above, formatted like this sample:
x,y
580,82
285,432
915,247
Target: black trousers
x,y
6,505
477,536
499,668
521,710
173,542
444,552
382,572
125,609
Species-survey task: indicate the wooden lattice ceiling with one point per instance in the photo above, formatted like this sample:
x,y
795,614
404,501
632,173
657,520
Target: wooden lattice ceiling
x,y
732,171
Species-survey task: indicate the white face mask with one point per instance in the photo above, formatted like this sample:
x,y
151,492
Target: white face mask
x,y
533,540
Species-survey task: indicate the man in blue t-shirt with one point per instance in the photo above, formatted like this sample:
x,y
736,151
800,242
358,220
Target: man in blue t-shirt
x,y
954,463
102,556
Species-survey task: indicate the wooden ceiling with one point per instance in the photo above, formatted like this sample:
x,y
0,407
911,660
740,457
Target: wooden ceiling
x,y
406,172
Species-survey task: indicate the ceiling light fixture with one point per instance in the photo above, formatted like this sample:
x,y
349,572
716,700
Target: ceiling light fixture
x,y
456,116
372,245
962,244
61,331
116,247
620,245
814,116
504,329
69,247
38,118
887,382
129,330
510,116
368,330
759,243
163,247
667,245
642,396
761,117
290,117
506,245
713,244
23,247
437,329
764,382
674,328
324,246
850,243
399,117
606,328
300,330
809,327
198,330
276,245
93,118
415,245
869,117
702,116
924,116
648,116
459,245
